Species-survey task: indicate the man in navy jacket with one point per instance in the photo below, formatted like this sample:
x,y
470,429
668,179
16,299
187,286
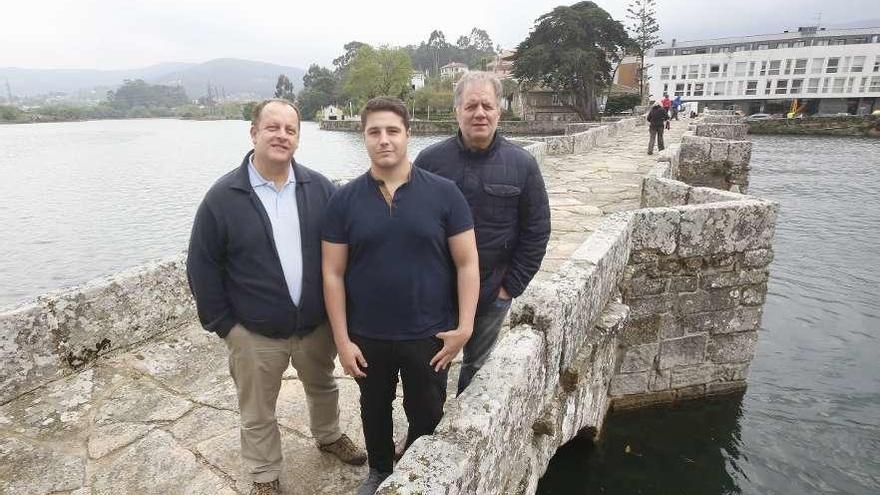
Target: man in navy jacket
x,y
254,268
505,190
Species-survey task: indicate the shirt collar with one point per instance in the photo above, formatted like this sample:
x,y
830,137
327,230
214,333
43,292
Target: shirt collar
x,y
258,180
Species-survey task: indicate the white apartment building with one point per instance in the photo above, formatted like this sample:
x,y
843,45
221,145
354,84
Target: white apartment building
x,y
827,71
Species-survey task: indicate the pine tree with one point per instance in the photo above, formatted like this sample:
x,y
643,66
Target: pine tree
x,y
643,28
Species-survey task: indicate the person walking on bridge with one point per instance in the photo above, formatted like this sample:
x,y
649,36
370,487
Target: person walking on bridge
x,y
254,268
657,118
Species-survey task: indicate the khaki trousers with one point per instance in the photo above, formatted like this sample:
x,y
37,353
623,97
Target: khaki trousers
x,y
256,364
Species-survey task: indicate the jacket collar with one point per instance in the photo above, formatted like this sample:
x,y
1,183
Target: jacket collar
x,y
497,138
242,179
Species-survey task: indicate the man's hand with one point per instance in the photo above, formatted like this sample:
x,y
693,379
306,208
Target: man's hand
x,y
502,294
453,341
352,359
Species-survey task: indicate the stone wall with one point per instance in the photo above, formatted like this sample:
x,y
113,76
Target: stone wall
x,y
715,155
695,284
62,332
868,126
579,138
514,127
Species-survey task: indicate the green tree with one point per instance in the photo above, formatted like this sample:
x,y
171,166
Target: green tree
x,y
247,109
567,52
137,93
284,88
621,103
377,72
643,28
437,44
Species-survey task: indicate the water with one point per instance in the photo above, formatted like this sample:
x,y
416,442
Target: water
x,y
81,200
809,421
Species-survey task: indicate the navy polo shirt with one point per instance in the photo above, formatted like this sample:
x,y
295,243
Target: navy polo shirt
x,y
400,281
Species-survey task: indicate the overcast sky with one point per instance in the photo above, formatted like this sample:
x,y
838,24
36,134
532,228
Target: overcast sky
x,y
119,34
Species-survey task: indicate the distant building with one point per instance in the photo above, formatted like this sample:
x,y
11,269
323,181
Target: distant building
x,y
543,104
417,80
501,67
453,70
332,112
827,71
627,74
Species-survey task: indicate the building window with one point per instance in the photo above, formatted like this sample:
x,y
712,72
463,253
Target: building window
x,y
763,68
664,72
863,85
751,69
800,66
820,42
739,48
875,85
714,69
813,85
739,87
781,86
686,52
679,89
816,67
797,44
698,89
693,70
700,51
858,64
876,64
839,41
849,84
739,69
774,67
826,85
687,91
831,68
838,84
787,66
751,87
763,46
768,86
796,85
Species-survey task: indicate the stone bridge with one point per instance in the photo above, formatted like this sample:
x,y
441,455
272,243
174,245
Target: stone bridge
x,y
651,292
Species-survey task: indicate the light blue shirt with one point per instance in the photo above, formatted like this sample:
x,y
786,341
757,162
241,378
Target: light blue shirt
x,y
282,210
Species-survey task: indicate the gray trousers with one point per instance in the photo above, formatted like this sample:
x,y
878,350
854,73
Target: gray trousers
x,y
656,132
482,341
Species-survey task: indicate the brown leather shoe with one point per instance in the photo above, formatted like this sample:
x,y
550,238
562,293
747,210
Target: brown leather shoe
x,y
346,451
270,488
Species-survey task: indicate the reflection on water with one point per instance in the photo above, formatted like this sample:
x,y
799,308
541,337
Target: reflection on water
x,y
80,200
810,419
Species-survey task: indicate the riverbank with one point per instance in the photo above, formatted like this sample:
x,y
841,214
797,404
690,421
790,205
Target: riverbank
x,y
856,126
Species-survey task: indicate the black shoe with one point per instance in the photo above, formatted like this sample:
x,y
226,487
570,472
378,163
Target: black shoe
x,y
371,484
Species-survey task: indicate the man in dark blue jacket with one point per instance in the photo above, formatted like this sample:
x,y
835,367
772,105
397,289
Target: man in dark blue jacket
x,y
254,268
505,190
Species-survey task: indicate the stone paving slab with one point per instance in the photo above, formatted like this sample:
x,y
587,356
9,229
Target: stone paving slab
x,y
162,418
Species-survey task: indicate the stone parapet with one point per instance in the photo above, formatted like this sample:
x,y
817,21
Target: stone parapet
x,y
714,162
63,332
586,140
732,131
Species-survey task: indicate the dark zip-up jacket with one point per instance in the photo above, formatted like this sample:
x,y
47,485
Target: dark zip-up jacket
x,y
233,266
657,117
505,190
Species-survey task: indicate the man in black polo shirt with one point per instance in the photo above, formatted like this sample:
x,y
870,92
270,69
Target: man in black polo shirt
x,y
401,280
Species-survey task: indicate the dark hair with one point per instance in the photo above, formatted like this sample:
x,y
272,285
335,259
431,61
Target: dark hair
x,y
258,110
385,104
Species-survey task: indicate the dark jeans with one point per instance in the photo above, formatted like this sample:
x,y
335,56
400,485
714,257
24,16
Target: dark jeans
x,y
478,348
424,393
658,133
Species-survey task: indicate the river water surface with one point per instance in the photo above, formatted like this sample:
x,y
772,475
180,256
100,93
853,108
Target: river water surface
x,y
809,421
80,200
86,199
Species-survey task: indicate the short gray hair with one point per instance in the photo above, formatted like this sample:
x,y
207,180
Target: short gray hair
x,y
476,77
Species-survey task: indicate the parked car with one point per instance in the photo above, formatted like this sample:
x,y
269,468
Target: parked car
x,y
757,116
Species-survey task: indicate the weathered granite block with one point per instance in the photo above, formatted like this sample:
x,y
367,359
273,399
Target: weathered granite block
x,y
683,284
726,228
734,278
694,150
652,305
686,376
704,195
645,286
732,347
754,295
641,330
728,321
629,383
718,151
683,351
655,229
658,192
707,300
723,131
740,153
757,258
659,380
639,358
